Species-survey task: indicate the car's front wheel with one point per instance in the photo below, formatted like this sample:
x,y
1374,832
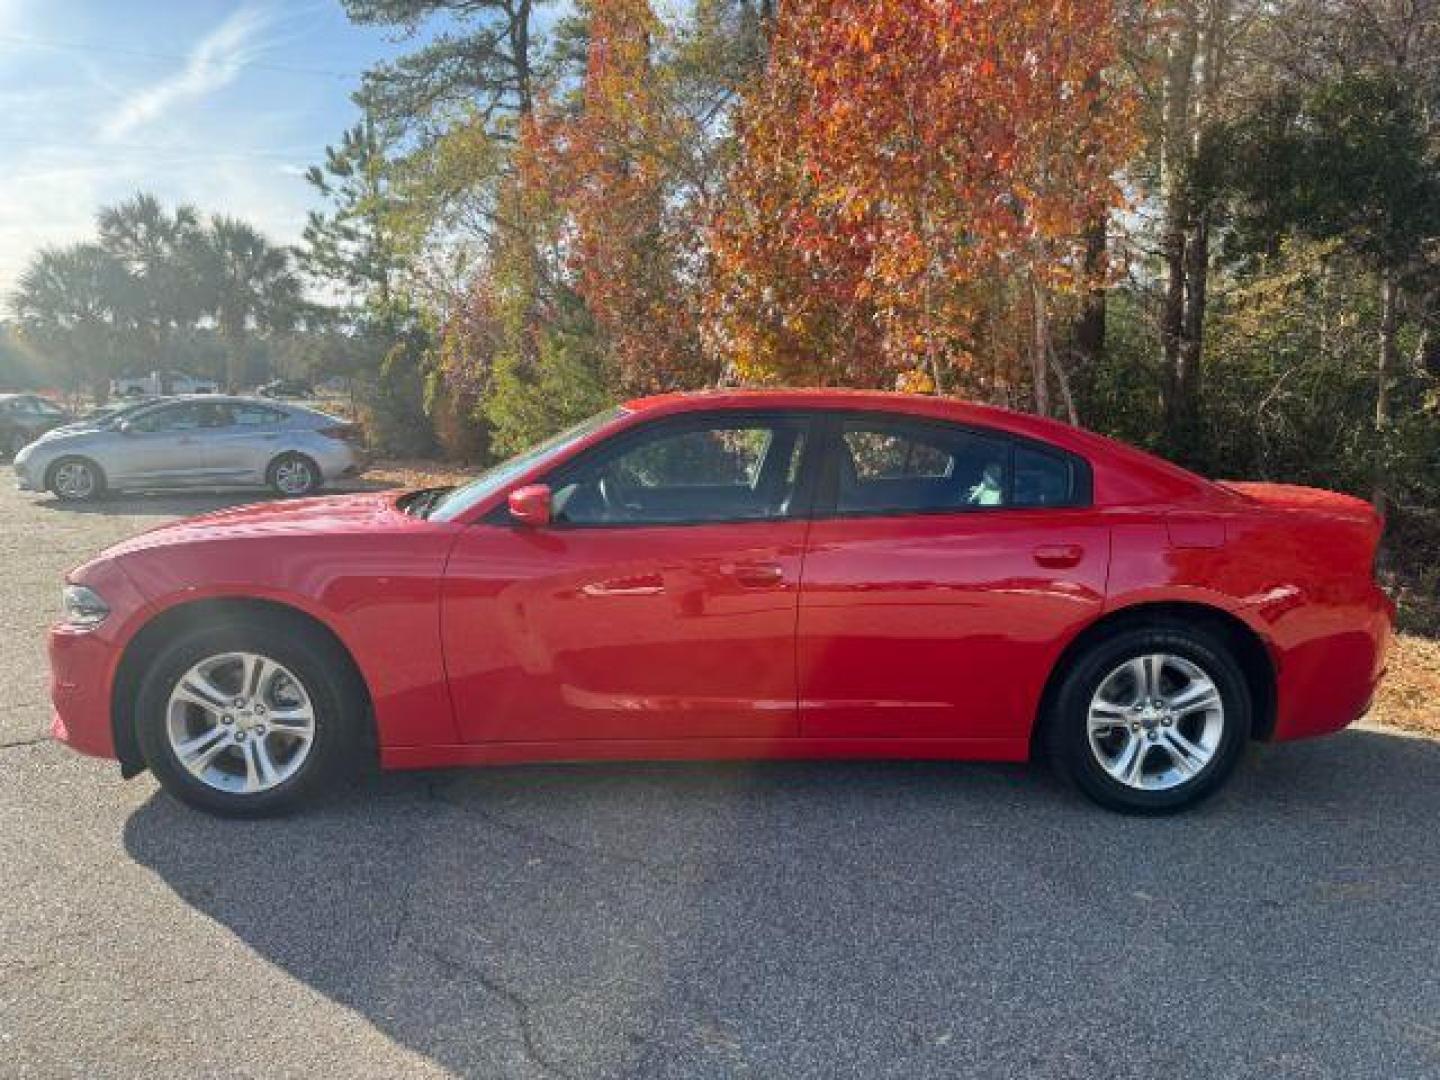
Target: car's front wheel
x,y
76,479
246,719
1151,719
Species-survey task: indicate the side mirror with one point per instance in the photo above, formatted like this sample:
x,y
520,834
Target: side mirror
x,y
530,506
126,428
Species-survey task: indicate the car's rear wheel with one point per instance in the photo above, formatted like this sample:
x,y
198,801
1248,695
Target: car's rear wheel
x,y
76,479
294,476
246,719
1151,719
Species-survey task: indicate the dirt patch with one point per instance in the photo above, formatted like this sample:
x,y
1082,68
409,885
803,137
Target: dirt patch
x,y
1410,695
401,473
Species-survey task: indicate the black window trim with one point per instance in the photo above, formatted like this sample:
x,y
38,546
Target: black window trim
x,y
825,505
811,422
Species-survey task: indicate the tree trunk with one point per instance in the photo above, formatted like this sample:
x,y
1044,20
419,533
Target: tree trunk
x,y
1089,330
1040,347
1427,346
1192,335
520,47
1175,196
1194,69
1388,322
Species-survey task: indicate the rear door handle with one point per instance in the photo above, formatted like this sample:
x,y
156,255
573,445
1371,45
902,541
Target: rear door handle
x,y
1059,556
758,575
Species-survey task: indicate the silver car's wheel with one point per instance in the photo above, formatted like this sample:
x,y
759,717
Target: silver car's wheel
x,y
75,480
294,475
1156,722
240,722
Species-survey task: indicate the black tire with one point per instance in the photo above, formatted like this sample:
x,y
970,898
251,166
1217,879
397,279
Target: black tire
x,y
1067,734
293,463
68,493
316,661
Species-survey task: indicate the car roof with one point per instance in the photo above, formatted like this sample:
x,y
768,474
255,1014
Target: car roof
x,y
222,399
823,398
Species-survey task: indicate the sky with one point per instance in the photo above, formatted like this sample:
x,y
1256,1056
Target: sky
x,y
219,104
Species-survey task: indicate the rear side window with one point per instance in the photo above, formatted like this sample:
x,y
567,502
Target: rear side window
x,y
1043,479
896,466
250,415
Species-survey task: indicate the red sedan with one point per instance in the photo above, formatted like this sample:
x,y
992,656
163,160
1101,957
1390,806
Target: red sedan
x,y
738,575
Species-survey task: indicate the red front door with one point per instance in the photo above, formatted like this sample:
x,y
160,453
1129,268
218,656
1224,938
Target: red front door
x,y
660,605
941,582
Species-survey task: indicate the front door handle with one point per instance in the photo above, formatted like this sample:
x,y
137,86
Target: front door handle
x,y
638,585
1059,556
758,575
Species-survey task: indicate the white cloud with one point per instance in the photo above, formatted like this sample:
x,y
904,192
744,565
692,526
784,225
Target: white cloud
x,y
213,63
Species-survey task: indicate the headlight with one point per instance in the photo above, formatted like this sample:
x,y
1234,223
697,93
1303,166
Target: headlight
x,y
83,607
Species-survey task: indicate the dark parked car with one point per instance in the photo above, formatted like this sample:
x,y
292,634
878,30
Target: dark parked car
x,y
24,418
287,388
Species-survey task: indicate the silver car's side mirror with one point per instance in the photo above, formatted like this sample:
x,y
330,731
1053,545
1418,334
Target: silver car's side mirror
x,y
126,428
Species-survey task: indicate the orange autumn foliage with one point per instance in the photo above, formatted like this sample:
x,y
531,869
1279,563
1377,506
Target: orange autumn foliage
x,y
612,167
900,157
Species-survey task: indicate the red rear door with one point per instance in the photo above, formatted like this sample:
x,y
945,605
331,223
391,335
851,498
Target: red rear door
x,y
945,570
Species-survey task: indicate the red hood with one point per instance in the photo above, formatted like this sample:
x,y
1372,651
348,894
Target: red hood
x,y
328,514
1313,500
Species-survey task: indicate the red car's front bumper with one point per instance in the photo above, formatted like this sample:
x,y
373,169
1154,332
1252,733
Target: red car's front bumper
x,y
82,667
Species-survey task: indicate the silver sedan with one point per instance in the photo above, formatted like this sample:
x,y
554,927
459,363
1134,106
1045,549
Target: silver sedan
x,y
204,441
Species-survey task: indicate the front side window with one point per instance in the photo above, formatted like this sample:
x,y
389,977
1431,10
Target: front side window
x,y
190,416
722,470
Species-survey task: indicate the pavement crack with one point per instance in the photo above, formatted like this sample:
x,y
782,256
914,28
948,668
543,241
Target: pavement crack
x,y
25,742
517,1003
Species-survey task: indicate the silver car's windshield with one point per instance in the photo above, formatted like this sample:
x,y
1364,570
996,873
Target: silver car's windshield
x,y
458,500
114,417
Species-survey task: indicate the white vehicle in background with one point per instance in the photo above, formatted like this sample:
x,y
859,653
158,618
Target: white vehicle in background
x,y
207,441
159,383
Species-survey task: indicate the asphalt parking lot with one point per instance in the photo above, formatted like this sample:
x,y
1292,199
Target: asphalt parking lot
x,y
766,920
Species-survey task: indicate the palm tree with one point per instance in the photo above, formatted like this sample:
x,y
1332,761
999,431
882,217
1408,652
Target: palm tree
x,y
160,250
251,284
80,301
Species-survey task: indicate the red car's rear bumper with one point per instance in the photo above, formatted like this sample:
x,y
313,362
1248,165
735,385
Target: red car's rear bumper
x,y
1328,682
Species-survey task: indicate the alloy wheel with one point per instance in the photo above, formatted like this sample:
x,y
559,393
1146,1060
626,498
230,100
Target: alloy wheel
x,y
1155,722
293,476
240,722
74,480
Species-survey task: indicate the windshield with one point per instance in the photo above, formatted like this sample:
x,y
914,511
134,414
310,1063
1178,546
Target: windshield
x,y
455,502
110,416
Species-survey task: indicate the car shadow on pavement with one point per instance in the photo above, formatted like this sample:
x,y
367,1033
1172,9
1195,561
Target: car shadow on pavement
x,y
794,919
